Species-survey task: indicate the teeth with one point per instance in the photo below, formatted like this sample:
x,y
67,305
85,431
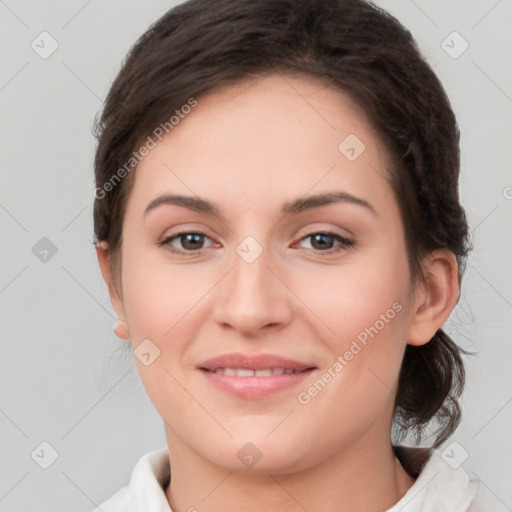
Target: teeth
x,y
242,372
263,373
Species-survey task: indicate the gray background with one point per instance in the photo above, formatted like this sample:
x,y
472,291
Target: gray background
x,y
66,379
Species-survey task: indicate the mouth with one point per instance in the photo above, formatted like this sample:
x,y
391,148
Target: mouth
x,y
251,377
243,372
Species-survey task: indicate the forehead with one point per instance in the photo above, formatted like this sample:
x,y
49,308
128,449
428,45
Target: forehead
x,y
267,139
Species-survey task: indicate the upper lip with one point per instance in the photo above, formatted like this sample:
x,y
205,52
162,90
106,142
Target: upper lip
x,y
253,362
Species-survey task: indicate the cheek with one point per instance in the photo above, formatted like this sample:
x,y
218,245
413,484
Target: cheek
x,y
364,309
157,295
355,296
159,302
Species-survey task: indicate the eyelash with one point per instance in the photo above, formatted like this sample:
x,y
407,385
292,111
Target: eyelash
x,y
345,243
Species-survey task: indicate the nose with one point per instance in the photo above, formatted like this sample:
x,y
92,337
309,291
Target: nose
x,y
253,297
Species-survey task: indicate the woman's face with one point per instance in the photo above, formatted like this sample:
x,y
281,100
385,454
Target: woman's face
x,y
295,250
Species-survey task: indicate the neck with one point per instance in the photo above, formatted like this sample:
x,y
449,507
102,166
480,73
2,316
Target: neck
x,y
364,476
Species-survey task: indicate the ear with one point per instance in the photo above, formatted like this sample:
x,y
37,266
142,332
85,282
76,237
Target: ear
x,y
434,301
102,253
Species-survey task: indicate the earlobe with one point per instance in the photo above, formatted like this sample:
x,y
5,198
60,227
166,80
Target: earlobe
x,y
121,329
436,299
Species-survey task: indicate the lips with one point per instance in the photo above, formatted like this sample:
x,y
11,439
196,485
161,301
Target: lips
x,y
243,372
253,377
260,362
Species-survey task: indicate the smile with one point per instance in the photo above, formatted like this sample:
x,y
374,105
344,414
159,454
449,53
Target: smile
x,y
250,384
243,372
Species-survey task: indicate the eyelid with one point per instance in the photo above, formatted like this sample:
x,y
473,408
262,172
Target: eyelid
x,y
345,242
320,227
185,228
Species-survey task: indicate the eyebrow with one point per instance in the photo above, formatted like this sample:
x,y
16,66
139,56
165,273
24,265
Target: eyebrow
x,y
293,207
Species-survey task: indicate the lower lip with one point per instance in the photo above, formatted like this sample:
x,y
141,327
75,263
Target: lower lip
x,y
254,387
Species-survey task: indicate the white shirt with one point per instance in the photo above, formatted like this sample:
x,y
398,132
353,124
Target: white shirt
x,y
438,488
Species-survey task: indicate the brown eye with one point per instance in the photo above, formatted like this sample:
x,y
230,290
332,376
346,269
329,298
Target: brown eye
x,y
325,242
188,242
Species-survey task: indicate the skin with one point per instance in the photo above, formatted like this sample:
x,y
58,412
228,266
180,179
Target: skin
x,y
248,149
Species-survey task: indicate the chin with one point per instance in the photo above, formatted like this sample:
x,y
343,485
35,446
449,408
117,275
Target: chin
x,y
257,452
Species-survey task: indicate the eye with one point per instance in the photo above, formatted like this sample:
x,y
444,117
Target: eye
x,y
190,241
323,242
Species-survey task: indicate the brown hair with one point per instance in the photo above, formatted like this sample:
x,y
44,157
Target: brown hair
x,y
203,45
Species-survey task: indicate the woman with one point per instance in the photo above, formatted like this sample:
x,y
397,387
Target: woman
x,y
278,223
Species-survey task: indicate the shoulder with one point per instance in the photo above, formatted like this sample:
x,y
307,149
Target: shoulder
x,y
485,503
439,486
145,490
